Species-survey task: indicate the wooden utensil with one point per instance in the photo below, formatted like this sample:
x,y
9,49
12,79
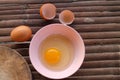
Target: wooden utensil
x,y
13,66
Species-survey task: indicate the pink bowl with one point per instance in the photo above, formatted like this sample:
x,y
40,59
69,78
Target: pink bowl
x,y
68,32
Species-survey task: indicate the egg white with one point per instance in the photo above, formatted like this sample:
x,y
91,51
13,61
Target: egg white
x,y
61,43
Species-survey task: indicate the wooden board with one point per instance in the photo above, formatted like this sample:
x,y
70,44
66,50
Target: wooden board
x,y
13,66
97,21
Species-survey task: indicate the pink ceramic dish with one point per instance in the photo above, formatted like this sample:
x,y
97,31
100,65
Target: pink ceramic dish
x,y
68,32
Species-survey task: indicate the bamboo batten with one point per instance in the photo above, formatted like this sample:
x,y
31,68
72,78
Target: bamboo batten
x,y
31,1
63,4
75,9
36,15
103,77
80,21
96,77
90,35
102,48
80,28
102,41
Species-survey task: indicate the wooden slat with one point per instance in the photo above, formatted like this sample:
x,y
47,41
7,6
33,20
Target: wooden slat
x,y
96,14
14,12
24,52
90,3
37,15
81,3
40,22
95,77
12,6
82,20
98,71
97,20
80,28
58,5
73,4
12,23
92,8
20,16
100,35
102,41
5,31
100,77
5,39
75,9
16,45
103,48
102,56
97,27
51,1
90,35
101,64
30,1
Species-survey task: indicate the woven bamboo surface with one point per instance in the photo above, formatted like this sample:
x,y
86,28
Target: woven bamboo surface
x,y
97,21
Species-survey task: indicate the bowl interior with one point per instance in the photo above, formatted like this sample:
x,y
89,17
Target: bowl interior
x,y
66,31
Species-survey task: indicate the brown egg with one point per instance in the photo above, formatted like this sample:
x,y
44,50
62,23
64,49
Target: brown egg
x,y
21,33
66,17
48,11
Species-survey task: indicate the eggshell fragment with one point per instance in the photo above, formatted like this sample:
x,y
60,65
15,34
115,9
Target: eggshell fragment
x,y
48,11
66,17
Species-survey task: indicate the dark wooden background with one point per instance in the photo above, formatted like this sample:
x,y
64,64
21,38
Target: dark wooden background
x,y
97,21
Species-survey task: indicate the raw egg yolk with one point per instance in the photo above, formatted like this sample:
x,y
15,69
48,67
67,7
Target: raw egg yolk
x,y
52,56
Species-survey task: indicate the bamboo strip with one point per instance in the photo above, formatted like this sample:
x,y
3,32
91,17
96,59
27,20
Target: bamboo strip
x,y
97,27
91,8
83,3
41,22
36,15
100,77
103,48
80,28
100,35
37,76
97,71
12,6
16,45
102,41
73,4
75,9
85,35
102,56
101,64
31,1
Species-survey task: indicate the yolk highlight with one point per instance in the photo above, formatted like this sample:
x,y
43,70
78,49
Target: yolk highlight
x,y
52,56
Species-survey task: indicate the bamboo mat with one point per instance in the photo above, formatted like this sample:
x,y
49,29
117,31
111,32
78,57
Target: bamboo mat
x,y
97,21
